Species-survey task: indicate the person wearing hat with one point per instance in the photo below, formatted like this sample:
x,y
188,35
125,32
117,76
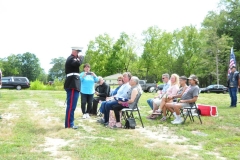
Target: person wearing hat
x,y
189,97
232,84
72,85
102,92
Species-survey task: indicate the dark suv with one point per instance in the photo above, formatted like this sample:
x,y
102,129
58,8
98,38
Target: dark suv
x,y
15,82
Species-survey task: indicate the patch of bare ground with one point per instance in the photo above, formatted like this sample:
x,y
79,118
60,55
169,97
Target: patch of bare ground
x,y
60,103
53,145
217,155
32,103
161,133
160,136
9,116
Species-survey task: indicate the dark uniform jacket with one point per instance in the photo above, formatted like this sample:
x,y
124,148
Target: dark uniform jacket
x,y
72,66
103,90
233,79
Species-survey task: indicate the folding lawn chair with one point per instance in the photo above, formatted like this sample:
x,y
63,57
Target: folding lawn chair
x,y
191,112
126,115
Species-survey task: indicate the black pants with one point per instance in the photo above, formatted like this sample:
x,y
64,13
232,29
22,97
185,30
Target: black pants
x,y
86,99
116,109
95,104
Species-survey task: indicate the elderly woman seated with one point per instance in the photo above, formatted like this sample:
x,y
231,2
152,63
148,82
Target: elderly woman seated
x,y
133,96
171,91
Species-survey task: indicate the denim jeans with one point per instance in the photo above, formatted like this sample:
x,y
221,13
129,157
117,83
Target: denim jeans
x,y
150,103
233,95
86,99
101,109
107,108
95,104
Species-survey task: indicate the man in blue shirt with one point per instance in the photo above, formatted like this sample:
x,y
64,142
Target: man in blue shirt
x,y
233,84
165,79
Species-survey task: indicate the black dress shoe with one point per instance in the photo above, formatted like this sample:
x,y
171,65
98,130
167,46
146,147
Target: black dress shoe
x,y
100,121
105,124
74,127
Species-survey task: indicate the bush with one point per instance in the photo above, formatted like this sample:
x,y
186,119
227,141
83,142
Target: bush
x,y
38,85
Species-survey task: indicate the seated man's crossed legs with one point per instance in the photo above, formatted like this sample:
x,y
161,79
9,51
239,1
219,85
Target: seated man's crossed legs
x,y
174,108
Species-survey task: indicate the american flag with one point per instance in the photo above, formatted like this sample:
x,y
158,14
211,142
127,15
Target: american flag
x,y
232,61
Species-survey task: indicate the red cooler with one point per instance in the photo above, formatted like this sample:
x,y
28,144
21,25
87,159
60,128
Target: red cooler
x,y
207,110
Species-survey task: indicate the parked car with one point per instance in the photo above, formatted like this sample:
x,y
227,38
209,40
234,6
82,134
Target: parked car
x,y
160,87
215,88
15,82
148,87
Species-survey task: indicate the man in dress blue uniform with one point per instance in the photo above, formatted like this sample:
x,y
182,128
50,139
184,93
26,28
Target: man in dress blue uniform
x,y
72,85
233,83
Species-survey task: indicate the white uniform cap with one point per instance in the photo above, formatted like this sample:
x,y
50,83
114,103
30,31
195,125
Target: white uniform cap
x,y
77,48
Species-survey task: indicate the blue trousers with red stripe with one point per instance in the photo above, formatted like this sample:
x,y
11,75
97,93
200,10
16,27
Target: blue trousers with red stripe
x,y
72,99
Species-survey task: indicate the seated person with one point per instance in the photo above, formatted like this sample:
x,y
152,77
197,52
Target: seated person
x,y
102,91
188,98
133,95
183,84
172,90
120,82
122,92
165,78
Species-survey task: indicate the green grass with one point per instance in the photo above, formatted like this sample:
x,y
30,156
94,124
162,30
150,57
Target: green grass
x,y
30,117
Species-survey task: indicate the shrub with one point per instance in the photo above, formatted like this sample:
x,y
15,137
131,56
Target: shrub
x,y
38,85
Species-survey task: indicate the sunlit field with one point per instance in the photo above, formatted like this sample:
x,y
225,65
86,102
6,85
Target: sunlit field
x,y
32,127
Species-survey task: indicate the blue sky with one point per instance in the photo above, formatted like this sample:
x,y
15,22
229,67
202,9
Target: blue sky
x,y
49,28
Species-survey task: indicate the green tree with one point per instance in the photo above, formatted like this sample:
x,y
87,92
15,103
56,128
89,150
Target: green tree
x,y
188,42
11,65
230,20
156,58
58,69
123,55
98,53
30,66
217,50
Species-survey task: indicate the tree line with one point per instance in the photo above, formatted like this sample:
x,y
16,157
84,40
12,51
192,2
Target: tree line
x,y
204,52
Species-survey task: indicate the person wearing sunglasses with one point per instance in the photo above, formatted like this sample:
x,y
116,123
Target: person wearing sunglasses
x,y
120,82
157,99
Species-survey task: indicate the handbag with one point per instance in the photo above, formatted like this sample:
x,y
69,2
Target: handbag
x,y
130,123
